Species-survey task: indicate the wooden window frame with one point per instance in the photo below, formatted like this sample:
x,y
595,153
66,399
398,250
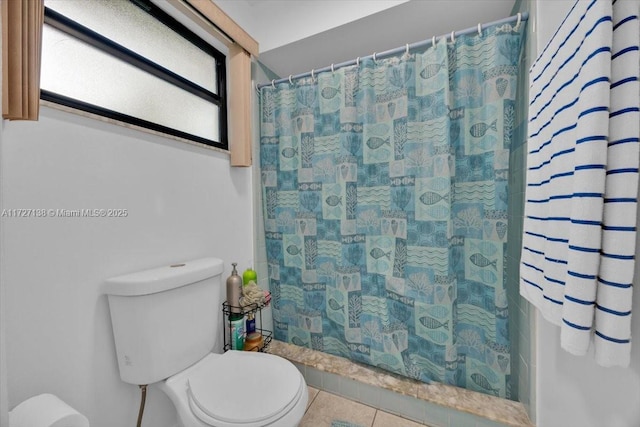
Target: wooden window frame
x,y
21,46
22,22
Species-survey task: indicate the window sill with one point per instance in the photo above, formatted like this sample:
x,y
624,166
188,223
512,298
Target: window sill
x,y
103,119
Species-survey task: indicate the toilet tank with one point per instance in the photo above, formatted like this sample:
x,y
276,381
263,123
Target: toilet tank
x,y
164,319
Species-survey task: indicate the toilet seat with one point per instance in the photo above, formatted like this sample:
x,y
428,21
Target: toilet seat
x,y
245,389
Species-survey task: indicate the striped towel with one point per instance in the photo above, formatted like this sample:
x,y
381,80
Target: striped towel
x,y
579,238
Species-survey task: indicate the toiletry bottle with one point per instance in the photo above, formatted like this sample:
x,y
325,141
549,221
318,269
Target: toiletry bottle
x,y
249,275
236,321
251,323
234,290
254,342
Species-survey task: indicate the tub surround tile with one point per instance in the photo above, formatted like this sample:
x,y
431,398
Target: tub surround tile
x,y
301,368
345,368
491,408
488,423
436,415
461,419
369,395
405,406
350,389
313,377
331,383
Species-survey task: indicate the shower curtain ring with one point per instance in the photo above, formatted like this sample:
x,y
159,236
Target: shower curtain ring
x,y
290,82
480,29
433,41
519,21
453,36
406,52
312,76
332,70
358,61
273,83
374,57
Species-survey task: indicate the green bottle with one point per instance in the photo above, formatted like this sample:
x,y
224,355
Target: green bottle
x,y
249,275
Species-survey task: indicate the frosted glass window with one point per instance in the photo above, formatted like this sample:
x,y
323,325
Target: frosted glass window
x,y
134,63
130,26
69,68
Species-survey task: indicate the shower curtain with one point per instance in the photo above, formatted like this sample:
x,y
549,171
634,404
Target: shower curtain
x,y
385,209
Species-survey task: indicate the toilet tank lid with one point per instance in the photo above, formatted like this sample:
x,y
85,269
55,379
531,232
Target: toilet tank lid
x,y
163,278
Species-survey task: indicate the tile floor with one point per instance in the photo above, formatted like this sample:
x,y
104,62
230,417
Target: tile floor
x,y
328,410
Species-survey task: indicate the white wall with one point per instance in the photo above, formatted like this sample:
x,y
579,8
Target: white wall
x,y
575,391
275,23
183,202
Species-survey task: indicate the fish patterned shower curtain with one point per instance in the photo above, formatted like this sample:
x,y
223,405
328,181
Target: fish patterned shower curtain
x,y
385,209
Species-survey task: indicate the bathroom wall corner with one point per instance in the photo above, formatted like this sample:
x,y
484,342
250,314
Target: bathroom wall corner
x,y
4,397
523,337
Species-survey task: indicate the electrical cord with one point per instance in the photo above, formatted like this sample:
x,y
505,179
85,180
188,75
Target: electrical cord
x,y
143,398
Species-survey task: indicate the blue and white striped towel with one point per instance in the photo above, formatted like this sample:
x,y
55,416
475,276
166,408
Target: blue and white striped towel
x,y
579,239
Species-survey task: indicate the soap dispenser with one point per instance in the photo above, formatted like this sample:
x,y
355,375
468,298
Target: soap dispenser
x,y
234,290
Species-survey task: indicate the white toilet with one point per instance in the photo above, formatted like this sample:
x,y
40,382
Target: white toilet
x,y
166,322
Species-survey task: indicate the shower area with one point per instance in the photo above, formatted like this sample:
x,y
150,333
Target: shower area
x,y
391,208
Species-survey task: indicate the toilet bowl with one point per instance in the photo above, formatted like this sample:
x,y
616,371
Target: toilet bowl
x,y
238,389
165,324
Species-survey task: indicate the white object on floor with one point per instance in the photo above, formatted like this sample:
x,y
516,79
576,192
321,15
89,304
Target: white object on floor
x,y
46,410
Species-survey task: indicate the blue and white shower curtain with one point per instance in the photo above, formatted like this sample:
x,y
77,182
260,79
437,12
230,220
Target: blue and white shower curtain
x,y
385,206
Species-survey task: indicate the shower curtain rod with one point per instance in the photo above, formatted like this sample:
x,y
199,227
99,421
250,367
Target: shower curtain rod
x,y
519,18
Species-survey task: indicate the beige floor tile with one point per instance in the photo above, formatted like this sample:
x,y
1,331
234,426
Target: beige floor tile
x,y
313,392
385,419
328,409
